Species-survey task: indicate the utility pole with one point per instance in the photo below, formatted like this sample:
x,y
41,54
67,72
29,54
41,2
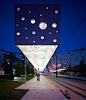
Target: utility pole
x,y
56,66
25,69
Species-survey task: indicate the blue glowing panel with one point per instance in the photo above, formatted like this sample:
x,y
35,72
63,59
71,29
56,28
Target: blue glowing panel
x,y
37,24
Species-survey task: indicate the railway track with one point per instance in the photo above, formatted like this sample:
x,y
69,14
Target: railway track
x,y
73,87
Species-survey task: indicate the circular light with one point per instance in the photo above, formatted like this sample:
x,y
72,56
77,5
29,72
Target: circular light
x,y
42,37
18,33
46,7
17,24
49,32
54,25
54,40
33,41
40,14
25,28
56,11
29,11
26,37
18,9
56,31
33,32
33,21
23,18
43,25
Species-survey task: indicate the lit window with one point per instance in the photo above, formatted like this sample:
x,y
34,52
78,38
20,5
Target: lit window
x,y
33,32
42,37
54,40
23,18
18,33
54,25
56,11
18,9
33,21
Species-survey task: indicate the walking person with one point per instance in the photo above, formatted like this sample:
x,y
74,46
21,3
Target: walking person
x,y
38,75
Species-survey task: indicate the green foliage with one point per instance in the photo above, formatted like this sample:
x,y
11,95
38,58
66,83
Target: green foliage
x,y
7,68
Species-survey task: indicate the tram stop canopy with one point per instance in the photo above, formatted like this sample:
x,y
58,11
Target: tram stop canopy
x,y
37,31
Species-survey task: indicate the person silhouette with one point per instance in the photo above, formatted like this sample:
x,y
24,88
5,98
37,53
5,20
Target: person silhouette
x,y
38,75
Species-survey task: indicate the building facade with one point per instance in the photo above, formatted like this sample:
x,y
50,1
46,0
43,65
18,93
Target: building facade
x,y
72,58
8,56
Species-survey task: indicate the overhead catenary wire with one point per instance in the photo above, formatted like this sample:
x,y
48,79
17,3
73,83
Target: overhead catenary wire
x,y
72,33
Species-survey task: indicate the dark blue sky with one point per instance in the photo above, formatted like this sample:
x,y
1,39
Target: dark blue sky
x,y
71,13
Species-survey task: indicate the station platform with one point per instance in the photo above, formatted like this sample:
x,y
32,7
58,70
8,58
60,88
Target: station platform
x,y
41,90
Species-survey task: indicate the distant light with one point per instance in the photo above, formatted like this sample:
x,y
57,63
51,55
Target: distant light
x,y
23,18
33,32
25,28
54,40
42,37
18,33
54,25
18,9
43,25
33,21
56,11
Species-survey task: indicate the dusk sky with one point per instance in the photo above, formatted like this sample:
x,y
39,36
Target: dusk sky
x,y
71,13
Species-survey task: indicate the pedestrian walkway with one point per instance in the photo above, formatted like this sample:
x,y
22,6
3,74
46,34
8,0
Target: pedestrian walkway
x,y
41,90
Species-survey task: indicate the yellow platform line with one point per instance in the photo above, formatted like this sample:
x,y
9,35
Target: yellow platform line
x,y
63,91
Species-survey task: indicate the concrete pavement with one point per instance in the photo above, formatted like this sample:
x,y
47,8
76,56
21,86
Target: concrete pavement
x,y
41,90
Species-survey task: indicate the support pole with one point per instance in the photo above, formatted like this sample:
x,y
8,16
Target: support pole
x,y
56,66
25,69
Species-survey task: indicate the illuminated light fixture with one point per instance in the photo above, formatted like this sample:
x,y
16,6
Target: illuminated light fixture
x,y
17,24
49,32
40,14
23,18
33,41
46,7
33,32
18,33
29,11
56,11
56,31
33,21
25,28
38,55
54,40
42,37
26,37
18,9
54,25
43,25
